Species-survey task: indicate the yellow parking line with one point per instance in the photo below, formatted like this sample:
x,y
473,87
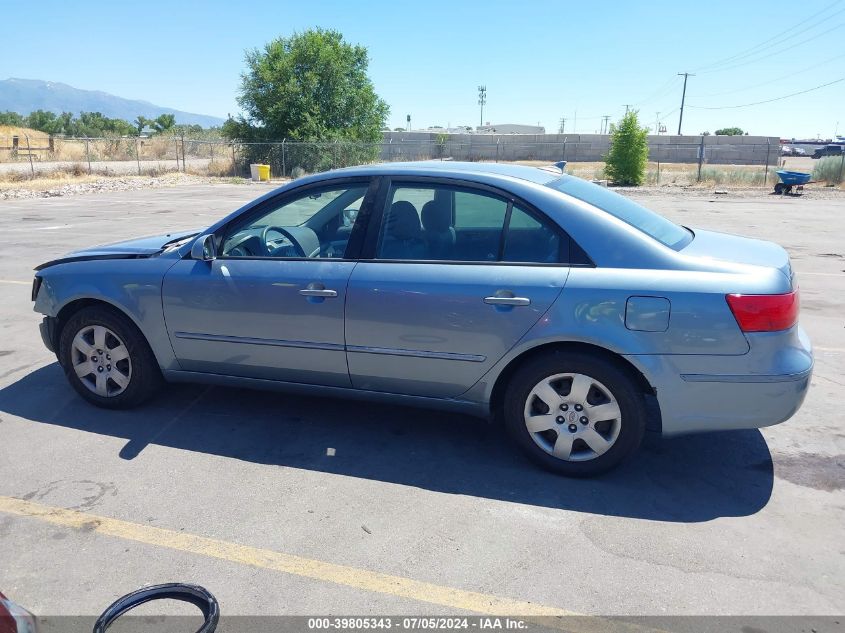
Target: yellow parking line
x,y
278,561
14,281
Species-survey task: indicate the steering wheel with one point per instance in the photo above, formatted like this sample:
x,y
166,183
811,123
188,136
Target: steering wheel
x,y
297,247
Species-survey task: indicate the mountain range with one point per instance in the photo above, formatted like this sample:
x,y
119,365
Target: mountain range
x,y
25,95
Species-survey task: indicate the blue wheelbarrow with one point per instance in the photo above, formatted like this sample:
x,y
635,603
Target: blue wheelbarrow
x,y
790,179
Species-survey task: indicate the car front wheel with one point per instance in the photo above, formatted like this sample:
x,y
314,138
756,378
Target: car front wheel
x,y
574,413
107,360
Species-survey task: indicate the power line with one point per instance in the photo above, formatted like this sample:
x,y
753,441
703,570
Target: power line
x,y
773,40
771,81
794,94
665,88
781,51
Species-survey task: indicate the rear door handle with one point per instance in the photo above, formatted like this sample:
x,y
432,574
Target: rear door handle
x,y
507,301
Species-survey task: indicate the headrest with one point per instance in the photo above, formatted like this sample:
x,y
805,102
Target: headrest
x,y
403,222
436,216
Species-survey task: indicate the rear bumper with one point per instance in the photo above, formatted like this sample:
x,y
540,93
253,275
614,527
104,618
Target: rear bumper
x,y
766,386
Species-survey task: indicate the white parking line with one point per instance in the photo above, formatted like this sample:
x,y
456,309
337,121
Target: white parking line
x,y
15,281
800,274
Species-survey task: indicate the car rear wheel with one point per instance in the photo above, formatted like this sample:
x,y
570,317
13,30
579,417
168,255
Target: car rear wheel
x,y
107,360
574,413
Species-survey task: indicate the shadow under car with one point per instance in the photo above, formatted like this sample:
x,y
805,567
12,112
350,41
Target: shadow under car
x,y
686,479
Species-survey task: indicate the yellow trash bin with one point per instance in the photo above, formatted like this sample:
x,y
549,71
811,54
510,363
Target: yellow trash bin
x,y
264,172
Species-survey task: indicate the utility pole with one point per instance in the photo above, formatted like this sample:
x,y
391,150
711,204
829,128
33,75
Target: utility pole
x,y
482,99
683,97
562,127
604,123
627,106
657,123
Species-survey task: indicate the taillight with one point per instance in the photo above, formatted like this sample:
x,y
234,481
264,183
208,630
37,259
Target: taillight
x,y
765,313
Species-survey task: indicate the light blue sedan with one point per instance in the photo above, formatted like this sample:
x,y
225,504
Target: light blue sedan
x,y
573,315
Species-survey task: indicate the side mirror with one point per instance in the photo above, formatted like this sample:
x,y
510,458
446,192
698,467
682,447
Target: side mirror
x,y
203,248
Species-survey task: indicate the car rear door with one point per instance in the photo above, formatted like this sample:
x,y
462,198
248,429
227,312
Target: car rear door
x,y
441,293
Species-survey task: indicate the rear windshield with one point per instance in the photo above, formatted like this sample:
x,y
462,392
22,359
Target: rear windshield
x,y
647,221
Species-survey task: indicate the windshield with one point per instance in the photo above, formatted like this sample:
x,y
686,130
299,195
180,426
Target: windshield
x,y
652,224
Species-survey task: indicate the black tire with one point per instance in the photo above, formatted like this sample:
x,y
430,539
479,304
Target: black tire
x,y
779,188
145,378
616,379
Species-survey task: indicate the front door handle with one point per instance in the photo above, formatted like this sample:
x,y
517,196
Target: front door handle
x,y
507,301
317,290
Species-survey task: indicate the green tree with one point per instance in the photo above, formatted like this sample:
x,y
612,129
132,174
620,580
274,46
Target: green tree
x,y
141,122
163,123
43,121
729,131
628,155
312,86
12,118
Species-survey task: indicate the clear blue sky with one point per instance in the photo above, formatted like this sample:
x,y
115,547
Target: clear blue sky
x,y
539,60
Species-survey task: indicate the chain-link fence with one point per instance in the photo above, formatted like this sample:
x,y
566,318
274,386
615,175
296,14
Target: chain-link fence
x,y
672,159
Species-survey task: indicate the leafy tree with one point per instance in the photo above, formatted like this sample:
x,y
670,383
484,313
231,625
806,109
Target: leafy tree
x,y
191,130
12,118
94,124
163,123
141,122
44,121
312,86
729,131
628,155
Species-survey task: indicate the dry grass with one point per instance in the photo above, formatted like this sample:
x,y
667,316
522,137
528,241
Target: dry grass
x,y
219,168
682,174
8,131
119,148
48,180
36,138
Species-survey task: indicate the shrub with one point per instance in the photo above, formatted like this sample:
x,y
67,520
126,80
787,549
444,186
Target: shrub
x,y
829,170
628,155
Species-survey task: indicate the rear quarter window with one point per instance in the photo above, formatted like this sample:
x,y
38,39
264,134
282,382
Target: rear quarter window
x,y
652,224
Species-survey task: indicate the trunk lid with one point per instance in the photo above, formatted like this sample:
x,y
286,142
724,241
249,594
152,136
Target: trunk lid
x,y
723,247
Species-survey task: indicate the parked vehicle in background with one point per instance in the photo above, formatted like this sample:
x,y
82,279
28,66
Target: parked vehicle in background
x,y
828,150
521,294
785,150
798,151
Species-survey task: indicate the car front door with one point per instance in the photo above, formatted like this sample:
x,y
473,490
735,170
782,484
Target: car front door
x,y
271,304
455,276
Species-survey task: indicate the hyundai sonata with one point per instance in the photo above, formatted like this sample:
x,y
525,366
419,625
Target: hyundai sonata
x,y
574,315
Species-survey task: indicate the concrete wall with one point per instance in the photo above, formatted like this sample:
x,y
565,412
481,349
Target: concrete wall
x,y
720,150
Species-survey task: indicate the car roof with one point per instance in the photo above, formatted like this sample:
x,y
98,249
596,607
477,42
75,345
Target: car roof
x,y
538,175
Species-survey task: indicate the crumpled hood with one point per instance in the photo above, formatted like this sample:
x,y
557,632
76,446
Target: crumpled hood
x,y
128,249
